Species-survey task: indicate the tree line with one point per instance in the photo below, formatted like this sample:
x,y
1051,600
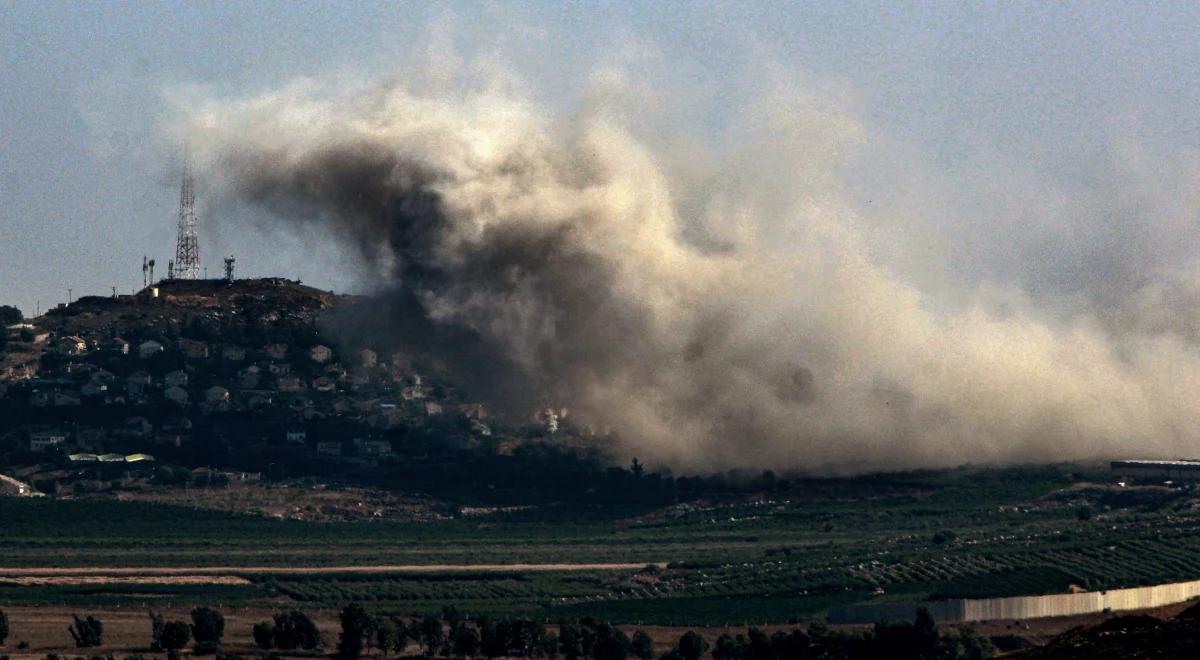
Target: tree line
x,y
455,635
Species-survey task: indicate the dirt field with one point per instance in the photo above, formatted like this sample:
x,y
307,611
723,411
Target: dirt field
x,y
127,631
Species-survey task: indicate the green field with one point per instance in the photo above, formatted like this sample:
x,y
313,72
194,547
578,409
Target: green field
x,y
774,557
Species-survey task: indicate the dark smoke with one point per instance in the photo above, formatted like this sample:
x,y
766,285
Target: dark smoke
x,y
552,263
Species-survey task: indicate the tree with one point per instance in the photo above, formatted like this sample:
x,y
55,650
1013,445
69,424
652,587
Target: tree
x,y
3,627
692,645
208,627
432,634
86,631
387,635
356,628
550,646
264,634
156,630
465,642
641,644
295,630
10,315
760,646
728,648
790,645
925,630
569,641
492,642
610,644
175,635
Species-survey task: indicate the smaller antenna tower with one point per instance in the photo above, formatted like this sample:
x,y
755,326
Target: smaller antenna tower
x,y
229,268
170,269
151,271
145,272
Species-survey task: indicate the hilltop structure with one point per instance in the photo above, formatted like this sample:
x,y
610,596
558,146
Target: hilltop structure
x,y
187,245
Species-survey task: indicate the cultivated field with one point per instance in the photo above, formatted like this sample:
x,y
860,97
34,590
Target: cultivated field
x,y
768,557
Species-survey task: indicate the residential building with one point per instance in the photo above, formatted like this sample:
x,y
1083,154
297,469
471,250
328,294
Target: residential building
x,y
193,350
176,394
46,439
115,346
277,351
72,345
329,448
176,379
320,354
216,394
149,349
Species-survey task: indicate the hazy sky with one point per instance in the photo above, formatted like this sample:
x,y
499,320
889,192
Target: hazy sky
x,y
1019,123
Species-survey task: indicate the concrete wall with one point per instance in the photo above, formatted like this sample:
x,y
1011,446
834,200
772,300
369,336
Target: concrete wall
x,y
1023,607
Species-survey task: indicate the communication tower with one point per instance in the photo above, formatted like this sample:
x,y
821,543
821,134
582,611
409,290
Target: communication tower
x,y
187,245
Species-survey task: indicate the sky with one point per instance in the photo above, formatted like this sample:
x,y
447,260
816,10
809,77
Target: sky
x,y
832,235
973,110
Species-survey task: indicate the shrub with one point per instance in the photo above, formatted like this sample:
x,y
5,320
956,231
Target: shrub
x,y
264,634
295,630
465,642
175,635
641,645
692,645
208,627
943,537
3,627
86,631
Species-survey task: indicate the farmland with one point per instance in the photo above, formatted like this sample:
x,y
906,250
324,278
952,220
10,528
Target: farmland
x,y
769,557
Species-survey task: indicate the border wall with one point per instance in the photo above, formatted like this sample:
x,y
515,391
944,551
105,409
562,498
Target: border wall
x,y
964,610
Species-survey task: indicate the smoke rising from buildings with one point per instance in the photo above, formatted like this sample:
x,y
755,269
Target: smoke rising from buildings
x,y
712,306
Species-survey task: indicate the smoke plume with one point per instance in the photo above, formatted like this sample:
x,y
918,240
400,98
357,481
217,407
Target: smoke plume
x,y
712,306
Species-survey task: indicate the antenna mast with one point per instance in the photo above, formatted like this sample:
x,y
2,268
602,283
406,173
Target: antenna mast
x,y
187,245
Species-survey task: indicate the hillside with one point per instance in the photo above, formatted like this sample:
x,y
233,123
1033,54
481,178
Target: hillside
x,y
196,382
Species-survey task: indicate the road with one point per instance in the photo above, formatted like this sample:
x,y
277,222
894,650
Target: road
x,y
116,571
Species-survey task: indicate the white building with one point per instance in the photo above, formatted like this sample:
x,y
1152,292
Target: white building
x,y
43,440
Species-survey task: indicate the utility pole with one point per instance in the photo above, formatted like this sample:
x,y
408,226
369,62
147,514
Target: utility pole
x,y
70,296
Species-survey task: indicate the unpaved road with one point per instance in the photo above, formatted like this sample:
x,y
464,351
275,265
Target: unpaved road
x,y
115,571
76,580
